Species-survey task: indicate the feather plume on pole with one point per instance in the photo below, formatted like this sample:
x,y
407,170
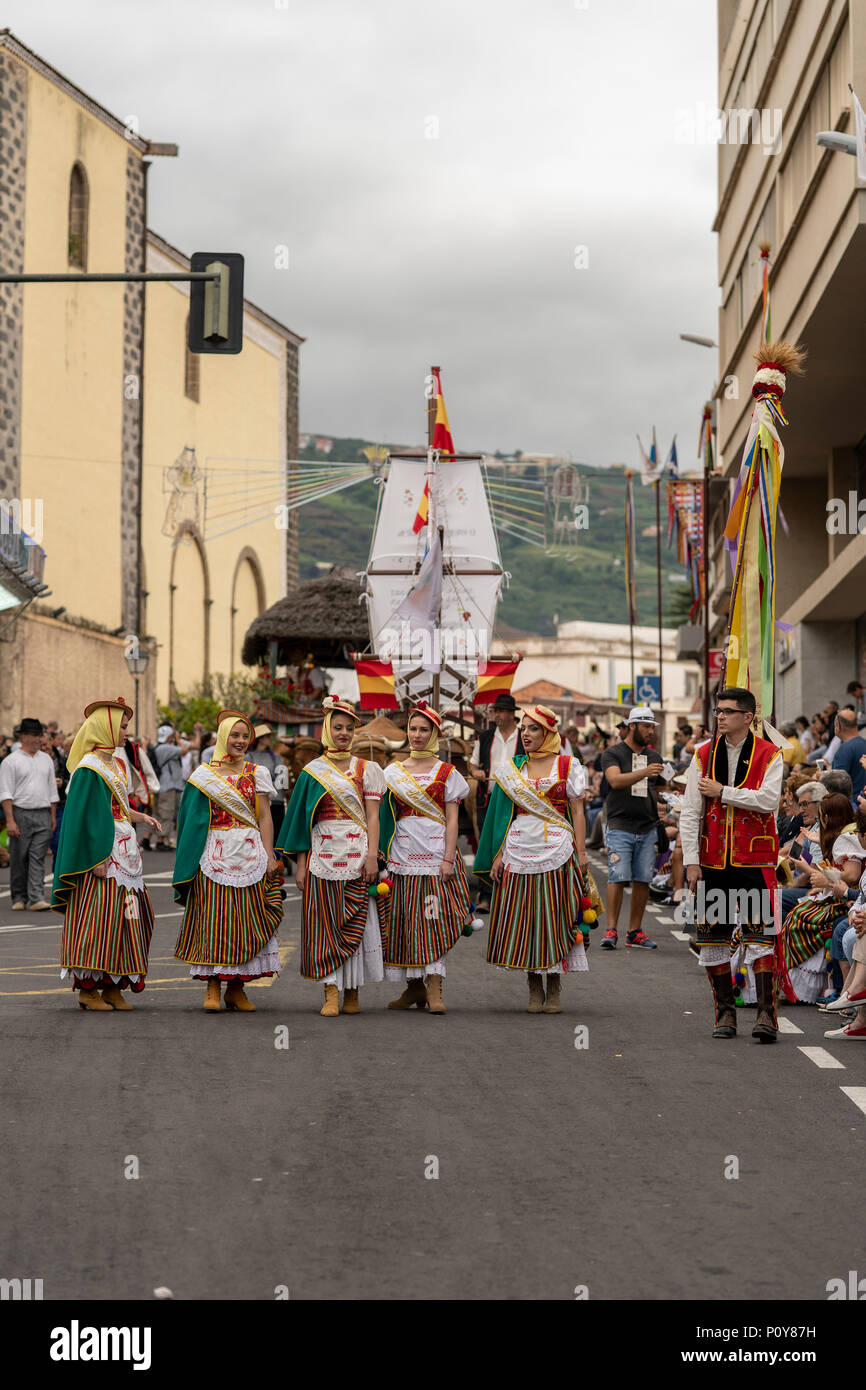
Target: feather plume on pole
x,y
750,532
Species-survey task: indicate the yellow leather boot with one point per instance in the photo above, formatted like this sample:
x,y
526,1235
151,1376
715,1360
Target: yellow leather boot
x,y
331,1006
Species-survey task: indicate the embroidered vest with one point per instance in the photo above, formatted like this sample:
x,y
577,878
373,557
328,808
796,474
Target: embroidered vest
x,y
733,835
557,795
328,809
435,790
244,784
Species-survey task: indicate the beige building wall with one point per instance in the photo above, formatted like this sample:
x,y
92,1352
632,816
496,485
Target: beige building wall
x,y
207,582
72,370
796,59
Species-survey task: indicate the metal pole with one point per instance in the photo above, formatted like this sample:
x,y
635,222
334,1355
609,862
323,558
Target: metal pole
x,y
431,423
657,486
705,486
136,706
108,278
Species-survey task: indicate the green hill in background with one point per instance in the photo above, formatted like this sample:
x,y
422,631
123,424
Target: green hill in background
x,y
338,530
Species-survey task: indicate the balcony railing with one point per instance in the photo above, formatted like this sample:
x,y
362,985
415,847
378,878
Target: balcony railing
x,y
23,556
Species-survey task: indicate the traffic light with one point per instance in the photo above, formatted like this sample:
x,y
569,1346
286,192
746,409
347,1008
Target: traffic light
x,y
216,307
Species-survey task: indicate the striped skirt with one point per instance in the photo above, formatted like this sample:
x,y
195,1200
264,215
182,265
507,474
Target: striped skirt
x,y
534,919
806,928
223,925
335,914
106,928
423,916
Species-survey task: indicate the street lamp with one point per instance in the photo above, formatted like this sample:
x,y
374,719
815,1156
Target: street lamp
x,y
136,661
696,338
835,140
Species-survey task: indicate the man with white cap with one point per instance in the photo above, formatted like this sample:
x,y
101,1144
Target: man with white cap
x,y
262,754
632,816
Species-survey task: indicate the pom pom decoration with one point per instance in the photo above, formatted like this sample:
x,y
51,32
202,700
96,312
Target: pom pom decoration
x,y
383,889
585,903
590,916
740,980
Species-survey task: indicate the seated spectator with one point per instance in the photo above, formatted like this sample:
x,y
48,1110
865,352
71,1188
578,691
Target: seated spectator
x,y
852,748
793,753
812,919
789,822
804,734
857,692
835,780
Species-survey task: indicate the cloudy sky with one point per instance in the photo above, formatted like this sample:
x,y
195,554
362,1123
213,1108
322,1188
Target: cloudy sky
x,y
491,185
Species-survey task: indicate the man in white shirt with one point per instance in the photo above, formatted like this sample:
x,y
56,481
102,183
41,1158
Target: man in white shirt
x,y
730,860
28,794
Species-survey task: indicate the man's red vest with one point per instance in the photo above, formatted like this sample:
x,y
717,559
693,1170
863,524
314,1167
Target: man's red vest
x,y
731,834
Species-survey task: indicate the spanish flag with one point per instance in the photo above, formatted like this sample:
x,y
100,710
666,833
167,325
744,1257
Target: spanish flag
x,y
497,680
441,429
423,513
376,684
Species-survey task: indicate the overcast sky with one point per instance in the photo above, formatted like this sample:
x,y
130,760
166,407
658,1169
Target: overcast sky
x,y
309,124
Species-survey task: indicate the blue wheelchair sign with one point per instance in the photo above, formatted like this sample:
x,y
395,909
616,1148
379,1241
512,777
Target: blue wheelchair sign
x,y
648,689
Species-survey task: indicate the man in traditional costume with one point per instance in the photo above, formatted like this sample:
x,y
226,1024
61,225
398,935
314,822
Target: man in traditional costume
x,y
332,825
730,861
225,873
428,907
533,848
98,873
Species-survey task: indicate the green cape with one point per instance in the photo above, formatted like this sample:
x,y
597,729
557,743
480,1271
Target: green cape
x,y
193,824
86,833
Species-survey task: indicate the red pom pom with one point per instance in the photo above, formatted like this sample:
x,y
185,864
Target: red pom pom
x,y
585,903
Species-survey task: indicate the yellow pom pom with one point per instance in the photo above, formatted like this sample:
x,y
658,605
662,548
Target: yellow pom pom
x,y
590,916
382,889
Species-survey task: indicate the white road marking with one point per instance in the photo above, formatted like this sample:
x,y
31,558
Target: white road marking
x,y
680,935
157,915
822,1058
857,1094
49,926
786,1026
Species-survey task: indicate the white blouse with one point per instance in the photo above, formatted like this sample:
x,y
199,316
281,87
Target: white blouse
x,y
418,846
339,847
125,863
535,846
236,854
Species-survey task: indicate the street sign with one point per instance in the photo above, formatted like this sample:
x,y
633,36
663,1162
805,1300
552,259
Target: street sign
x,y
624,695
649,689
715,663
216,307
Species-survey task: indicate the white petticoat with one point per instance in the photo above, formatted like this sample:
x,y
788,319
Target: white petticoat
x,y
401,973
265,962
69,972
574,962
365,966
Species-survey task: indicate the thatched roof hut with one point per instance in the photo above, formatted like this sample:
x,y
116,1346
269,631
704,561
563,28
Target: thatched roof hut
x,y
323,616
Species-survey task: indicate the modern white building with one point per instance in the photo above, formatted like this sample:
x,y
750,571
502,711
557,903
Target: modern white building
x,y
594,659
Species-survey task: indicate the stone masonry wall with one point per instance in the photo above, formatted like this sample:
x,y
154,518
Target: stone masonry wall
x,y
13,168
133,309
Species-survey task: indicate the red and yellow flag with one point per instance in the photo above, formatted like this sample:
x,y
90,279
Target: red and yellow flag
x,y
423,513
441,429
376,684
497,679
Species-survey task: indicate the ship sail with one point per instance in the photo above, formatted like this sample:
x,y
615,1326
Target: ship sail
x,y
451,644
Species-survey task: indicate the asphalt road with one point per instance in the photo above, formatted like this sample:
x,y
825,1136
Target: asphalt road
x,y
301,1169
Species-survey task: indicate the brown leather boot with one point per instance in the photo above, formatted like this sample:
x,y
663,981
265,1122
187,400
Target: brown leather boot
x,y
414,993
331,1006
113,997
766,1028
536,993
236,998
351,1004
552,1003
723,994
92,1000
212,996
435,1002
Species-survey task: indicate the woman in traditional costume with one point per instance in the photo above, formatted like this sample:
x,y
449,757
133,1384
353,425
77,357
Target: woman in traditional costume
x,y
810,923
225,872
428,907
98,883
533,849
332,825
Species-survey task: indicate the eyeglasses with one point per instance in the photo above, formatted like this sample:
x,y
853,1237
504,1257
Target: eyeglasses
x,y
727,710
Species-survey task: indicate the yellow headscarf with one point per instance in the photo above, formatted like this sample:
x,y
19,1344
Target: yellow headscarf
x,y
100,730
332,706
546,718
431,748
224,728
